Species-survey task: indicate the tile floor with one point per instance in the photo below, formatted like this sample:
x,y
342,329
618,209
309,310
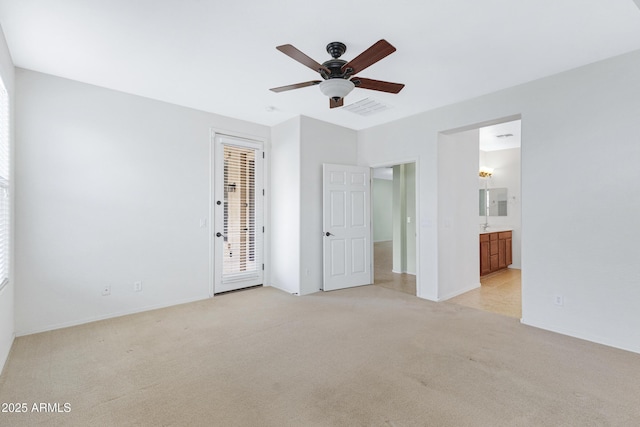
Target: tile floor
x,y
500,292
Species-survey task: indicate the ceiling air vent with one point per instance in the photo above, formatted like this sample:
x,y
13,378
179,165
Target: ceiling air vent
x,y
366,107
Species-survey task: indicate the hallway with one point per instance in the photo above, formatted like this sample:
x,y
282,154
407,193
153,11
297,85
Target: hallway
x,y
382,270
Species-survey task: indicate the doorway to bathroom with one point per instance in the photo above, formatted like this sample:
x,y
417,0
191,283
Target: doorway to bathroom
x,y
394,227
496,235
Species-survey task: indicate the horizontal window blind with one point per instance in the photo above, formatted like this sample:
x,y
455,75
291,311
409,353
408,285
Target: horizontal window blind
x,y
242,239
4,187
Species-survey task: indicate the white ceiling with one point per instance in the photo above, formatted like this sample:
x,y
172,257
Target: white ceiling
x,y
219,56
500,137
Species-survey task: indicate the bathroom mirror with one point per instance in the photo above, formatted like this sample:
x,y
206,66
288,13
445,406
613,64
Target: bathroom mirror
x,y
493,202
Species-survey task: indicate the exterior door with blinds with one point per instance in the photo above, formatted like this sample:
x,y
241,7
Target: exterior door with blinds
x,y
238,213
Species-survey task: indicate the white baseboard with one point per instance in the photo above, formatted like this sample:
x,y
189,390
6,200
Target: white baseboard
x,y
107,316
459,292
403,272
283,289
635,348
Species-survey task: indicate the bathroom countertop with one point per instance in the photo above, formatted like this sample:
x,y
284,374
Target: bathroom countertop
x,y
495,229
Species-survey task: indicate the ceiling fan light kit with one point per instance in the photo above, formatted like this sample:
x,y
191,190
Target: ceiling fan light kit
x,y
337,73
336,88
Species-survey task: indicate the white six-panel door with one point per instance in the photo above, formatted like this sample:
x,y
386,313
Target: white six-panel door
x,y
347,226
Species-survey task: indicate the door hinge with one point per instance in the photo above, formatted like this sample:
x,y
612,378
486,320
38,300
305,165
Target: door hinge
x,y
263,228
263,154
262,266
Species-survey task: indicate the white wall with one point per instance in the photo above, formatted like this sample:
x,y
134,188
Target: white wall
x,y
506,174
404,218
399,213
410,220
110,189
458,260
299,148
321,142
573,124
382,194
285,206
7,328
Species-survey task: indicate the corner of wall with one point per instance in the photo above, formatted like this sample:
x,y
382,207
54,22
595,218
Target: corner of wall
x,y
4,356
285,192
7,299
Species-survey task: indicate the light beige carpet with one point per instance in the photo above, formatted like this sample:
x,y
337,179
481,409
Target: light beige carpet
x,y
367,356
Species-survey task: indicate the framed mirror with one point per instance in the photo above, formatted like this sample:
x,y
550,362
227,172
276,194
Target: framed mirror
x,y
493,202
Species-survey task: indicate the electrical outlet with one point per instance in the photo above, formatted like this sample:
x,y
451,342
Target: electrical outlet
x,y
137,286
106,290
559,300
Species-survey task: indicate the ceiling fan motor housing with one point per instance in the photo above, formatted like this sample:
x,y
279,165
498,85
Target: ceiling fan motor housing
x,y
336,49
335,66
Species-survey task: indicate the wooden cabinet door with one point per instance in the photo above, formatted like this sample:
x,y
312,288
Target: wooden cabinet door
x,y
493,248
494,263
502,253
495,251
485,265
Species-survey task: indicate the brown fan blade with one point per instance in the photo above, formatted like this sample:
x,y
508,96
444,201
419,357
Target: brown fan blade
x,y
295,86
333,103
381,86
375,53
294,53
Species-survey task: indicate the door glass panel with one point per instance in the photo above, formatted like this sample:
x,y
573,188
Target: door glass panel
x,y
239,252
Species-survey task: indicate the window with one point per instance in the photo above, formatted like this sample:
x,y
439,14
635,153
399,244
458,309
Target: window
x,y
4,187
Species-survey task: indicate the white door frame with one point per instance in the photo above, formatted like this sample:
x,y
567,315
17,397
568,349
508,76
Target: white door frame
x,y
419,222
213,186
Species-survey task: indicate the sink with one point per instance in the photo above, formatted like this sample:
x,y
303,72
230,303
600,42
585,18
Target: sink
x,y
494,229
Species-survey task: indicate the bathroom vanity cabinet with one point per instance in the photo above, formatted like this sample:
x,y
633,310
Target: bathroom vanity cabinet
x,y
495,251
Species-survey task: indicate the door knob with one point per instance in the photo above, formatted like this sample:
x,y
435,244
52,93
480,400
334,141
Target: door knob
x,y
218,234
328,234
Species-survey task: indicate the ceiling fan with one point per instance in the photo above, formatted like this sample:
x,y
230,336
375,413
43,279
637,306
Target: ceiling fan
x,y
338,74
